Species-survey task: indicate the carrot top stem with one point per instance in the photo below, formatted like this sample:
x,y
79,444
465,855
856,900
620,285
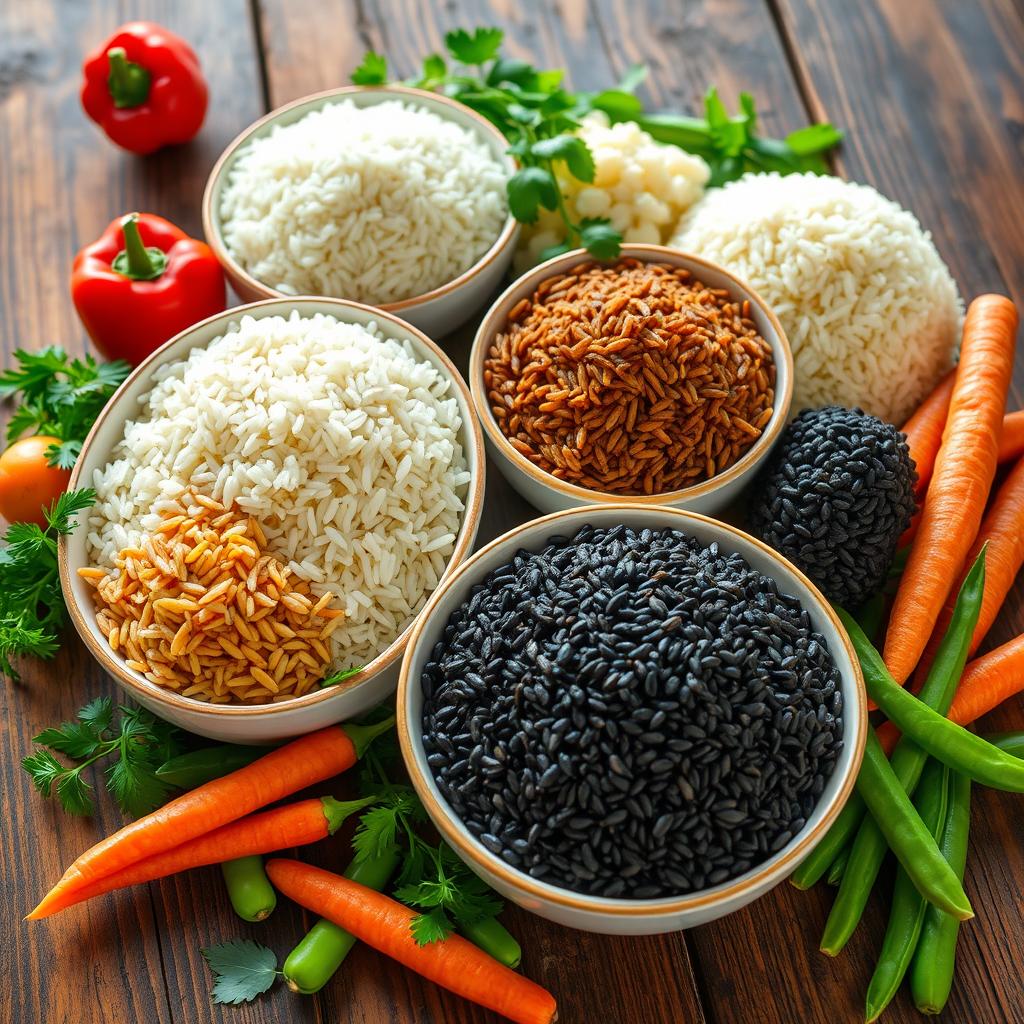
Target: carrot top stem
x,y
363,735
336,811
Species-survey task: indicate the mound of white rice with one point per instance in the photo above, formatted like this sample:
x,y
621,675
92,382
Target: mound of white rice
x,y
376,204
870,309
341,442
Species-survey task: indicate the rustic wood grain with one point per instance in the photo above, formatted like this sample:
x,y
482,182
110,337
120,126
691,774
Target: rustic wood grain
x,y
61,182
931,95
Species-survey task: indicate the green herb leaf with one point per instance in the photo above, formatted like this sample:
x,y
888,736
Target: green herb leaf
x,y
477,47
98,713
814,139
64,455
340,677
243,970
618,105
570,148
511,69
529,189
432,926
551,251
434,69
599,238
75,739
74,793
372,71
44,769
376,833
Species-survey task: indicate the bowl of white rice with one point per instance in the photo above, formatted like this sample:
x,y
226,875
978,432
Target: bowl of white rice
x,y
390,196
345,438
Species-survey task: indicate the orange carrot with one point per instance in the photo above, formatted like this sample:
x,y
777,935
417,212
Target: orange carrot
x,y
299,824
964,469
1012,444
313,758
384,924
924,429
986,683
1003,531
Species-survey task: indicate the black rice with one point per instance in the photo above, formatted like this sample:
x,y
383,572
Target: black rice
x,y
652,716
835,499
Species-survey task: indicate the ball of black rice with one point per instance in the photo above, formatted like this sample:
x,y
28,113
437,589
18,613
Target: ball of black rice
x,y
835,499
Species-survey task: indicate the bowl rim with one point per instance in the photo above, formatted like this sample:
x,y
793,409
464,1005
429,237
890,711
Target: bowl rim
x,y
476,465
211,219
774,868
648,253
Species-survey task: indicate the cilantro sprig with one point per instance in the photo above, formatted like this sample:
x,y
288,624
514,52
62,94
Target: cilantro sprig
x,y
59,396
242,970
431,877
540,117
134,745
32,609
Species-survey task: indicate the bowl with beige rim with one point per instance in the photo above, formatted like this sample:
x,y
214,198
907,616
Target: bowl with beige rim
x,y
261,723
551,494
436,312
623,916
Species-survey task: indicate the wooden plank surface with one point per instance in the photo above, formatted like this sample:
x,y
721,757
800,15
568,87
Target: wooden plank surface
x,y
931,96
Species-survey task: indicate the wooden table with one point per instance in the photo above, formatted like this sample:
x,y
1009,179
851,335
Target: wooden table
x,y
931,95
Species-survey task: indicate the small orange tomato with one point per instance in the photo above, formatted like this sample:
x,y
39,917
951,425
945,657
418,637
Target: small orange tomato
x,y
27,483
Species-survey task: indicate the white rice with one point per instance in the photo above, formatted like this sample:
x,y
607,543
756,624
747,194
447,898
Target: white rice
x,y
338,440
376,204
870,309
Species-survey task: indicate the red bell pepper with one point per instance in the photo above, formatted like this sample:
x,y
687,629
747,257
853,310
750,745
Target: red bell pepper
x,y
144,88
141,283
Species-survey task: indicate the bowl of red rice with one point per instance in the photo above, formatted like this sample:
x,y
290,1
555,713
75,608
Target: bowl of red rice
x,y
657,378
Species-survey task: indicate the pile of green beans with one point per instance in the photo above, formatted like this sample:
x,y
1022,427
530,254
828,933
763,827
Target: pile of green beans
x,y
908,759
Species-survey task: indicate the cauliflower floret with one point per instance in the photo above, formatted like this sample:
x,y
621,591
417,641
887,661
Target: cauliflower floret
x,y
641,185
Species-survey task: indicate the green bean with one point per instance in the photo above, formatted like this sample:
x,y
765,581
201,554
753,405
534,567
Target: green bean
x,y
249,889
835,872
312,963
944,740
831,847
908,759
1010,742
494,938
907,911
197,767
689,133
931,976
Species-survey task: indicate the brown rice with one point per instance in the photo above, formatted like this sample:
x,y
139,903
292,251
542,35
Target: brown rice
x,y
633,378
200,608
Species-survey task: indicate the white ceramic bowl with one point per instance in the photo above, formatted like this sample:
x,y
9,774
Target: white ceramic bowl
x,y
437,312
548,493
622,916
267,722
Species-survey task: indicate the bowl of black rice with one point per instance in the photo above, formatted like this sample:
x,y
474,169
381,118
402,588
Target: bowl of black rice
x,y
630,720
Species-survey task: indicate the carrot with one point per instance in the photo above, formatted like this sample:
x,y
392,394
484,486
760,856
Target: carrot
x,y
299,824
924,430
1012,444
1003,531
988,681
964,470
313,758
384,924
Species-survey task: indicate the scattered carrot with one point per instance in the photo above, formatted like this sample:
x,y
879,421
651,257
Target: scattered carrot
x,y
313,758
986,683
1012,444
294,825
1003,531
964,469
924,430
384,924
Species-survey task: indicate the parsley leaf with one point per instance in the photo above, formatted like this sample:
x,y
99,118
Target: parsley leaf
x,y
599,238
570,148
476,48
59,396
432,926
373,70
814,139
242,969
32,610
136,744
529,189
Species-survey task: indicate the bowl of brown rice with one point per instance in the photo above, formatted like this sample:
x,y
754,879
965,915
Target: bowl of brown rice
x,y
657,378
279,489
